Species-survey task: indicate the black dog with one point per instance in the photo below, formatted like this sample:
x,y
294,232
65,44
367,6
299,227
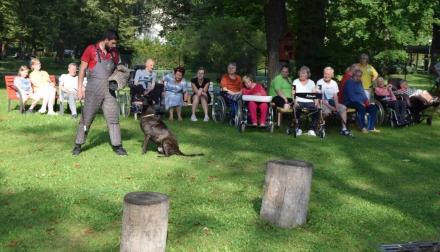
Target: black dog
x,y
156,131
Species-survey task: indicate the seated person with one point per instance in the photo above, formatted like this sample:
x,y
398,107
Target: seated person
x,y
69,83
232,83
330,99
145,82
176,92
385,94
281,88
252,88
43,87
305,85
355,97
405,89
200,86
24,85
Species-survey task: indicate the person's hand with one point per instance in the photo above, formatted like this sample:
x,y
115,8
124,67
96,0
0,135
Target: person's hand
x,y
80,94
367,103
258,94
185,104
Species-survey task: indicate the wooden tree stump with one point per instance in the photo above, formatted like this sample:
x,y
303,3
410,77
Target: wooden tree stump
x,y
145,222
286,192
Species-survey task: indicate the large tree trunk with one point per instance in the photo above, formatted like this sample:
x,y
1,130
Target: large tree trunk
x,y
59,58
276,24
310,49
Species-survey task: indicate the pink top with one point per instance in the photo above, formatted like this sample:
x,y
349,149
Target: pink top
x,y
385,92
257,89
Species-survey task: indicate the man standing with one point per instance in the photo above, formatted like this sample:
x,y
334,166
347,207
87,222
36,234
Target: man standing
x,y
355,97
100,59
68,84
330,99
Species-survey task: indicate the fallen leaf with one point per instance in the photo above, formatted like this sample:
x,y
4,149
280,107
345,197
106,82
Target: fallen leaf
x,y
179,241
33,209
77,166
207,233
84,198
205,229
49,229
106,171
88,231
196,223
54,163
193,179
367,231
59,206
210,179
173,189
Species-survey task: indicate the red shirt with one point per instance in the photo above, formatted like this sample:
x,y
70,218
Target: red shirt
x,y
257,89
341,86
90,56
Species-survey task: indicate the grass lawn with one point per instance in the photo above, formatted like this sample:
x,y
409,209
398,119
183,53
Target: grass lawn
x,y
373,189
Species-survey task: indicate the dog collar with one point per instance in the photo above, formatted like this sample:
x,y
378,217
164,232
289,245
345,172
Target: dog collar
x,y
149,115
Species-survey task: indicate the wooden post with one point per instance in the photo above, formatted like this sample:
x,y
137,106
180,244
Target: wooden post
x,y
286,192
145,222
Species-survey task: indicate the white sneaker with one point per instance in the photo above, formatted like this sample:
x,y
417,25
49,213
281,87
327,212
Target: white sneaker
x,y
299,132
193,118
52,113
206,118
42,111
311,133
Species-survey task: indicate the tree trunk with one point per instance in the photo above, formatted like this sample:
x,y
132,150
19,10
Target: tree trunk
x,y
286,192
276,24
311,36
145,222
59,58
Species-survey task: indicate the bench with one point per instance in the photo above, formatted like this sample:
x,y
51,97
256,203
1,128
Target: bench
x,y
12,91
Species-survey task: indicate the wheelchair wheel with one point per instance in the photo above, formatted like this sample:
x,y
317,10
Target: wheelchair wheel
x,y
218,110
271,127
429,121
242,127
238,115
125,104
381,113
295,130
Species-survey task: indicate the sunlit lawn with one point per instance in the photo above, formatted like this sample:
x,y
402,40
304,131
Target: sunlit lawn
x,y
370,190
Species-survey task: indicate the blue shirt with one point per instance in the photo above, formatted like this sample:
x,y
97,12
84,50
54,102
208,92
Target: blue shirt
x,y
353,92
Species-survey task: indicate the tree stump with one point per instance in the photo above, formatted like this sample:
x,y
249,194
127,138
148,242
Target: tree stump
x,y
286,192
145,222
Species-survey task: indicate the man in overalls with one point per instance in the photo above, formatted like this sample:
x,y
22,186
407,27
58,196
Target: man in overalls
x,y
100,59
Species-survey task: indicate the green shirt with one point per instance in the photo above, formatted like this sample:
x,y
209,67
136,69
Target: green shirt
x,y
280,83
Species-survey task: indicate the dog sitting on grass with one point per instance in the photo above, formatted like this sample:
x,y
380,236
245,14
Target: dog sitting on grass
x,y
156,131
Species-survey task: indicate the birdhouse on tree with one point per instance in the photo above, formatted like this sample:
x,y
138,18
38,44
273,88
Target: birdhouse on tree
x,y
287,46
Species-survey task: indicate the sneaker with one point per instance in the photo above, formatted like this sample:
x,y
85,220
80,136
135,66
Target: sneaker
x,y
311,133
193,118
374,130
76,150
42,111
23,112
120,151
52,113
346,133
74,116
30,111
364,130
299,132
206,119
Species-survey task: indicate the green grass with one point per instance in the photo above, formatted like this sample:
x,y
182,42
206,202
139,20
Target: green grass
x,y
374,189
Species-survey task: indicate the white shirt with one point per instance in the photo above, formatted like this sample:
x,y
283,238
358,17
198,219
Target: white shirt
x,y
70,82
328,89
303,89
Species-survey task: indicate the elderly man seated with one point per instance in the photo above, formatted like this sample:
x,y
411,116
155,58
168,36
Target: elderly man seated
x,y
330,99
355,97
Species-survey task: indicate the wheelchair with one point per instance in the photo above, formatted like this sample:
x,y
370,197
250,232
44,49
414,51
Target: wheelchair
x,y
295,124
243,115
386,114
130,105
223,106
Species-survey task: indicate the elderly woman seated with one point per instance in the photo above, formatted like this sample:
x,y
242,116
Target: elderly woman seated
x,y
252,88
405,89
386,96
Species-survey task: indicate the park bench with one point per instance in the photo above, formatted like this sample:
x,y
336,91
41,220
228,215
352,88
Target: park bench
x,y
12,91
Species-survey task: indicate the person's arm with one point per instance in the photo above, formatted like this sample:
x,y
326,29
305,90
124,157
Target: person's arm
x,y
136,77
375,74
194,88
224,84
65,90
81,73
206,88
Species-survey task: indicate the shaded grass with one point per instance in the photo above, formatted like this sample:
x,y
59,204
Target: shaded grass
x,y
370,190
